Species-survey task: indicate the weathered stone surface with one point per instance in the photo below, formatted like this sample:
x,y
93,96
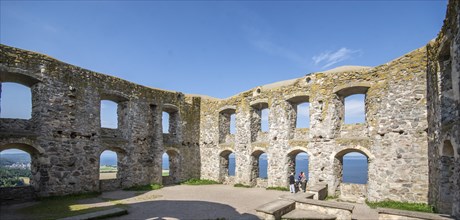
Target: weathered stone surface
x,y
411,135
443,100
10,195
393,136
64,135
385,213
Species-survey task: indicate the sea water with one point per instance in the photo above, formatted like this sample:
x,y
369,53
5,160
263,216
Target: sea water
x,y
354,168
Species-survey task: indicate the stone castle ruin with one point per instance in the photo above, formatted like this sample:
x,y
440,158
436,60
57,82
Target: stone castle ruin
x,y
410,135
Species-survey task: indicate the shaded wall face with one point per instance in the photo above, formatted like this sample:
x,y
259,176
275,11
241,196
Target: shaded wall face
x,y
444,114
65,123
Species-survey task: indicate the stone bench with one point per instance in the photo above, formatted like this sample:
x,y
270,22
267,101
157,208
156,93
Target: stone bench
x,y
386,213
341,211
306,214
298,196
275,209
99,214
319,191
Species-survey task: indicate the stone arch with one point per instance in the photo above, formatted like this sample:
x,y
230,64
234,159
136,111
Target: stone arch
x,y
35,153
175,160
337,167
225,115
446,178
447,149
224,162
292,165
27,147
255,166
19,78
122,165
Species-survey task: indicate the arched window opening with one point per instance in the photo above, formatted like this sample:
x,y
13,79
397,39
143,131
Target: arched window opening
x,y
259,167
171,164
15,168
165,122
298,162
303,115
108,167
355,109
355,168
259,120
170,120
231,164
165,165
109,114
301,164
15,101
227,165
448,149
226,125
263,166
264,120
447,179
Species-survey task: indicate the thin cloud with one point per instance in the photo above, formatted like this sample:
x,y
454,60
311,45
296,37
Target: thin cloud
x,y
274,49
330,58
354,111
354,107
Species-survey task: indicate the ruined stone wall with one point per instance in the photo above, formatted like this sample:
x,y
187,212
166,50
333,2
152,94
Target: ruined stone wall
x,y
444,114
393,136
64,135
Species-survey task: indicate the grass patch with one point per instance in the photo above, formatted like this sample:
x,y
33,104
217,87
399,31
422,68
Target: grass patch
x,y
331,197
277,188
148,187
241,185
165,173
107,169
195,181
419,207
62,206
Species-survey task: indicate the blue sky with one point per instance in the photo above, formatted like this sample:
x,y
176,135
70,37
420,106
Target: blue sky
x,y
219,48
211,47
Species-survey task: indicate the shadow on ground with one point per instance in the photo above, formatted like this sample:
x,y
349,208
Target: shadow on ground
x,y
175,209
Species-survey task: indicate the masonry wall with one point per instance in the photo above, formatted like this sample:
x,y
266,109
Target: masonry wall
x,y
64,135
393,136
444,114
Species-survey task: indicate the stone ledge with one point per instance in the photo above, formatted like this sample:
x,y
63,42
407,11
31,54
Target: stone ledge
x,y
298,196
275,209
329,204
319,190
99,215
410,214
17,134
111,140
307,214
261,144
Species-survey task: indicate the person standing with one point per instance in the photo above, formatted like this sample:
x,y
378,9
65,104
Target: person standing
x,y
291,183
303,181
